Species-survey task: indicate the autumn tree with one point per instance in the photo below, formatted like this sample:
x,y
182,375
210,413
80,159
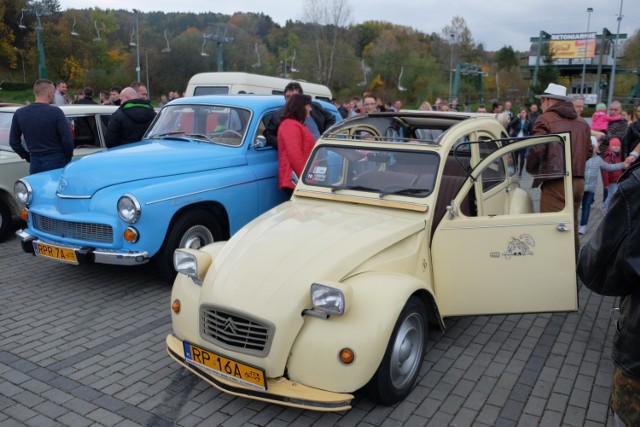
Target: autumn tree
x,y
328,18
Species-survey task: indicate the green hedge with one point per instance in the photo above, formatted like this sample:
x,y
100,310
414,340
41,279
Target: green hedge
x,y
16,86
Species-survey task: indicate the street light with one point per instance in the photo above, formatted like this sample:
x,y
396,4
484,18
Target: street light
x,y
452,36
137,44
584,55
613,67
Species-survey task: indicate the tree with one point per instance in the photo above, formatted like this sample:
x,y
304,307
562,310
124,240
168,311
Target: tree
x,y
548,73
327,17
8,54
506,58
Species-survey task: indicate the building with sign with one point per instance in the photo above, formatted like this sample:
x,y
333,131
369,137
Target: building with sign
x,y
572,53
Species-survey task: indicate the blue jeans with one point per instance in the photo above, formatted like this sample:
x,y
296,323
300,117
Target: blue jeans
x,y
587,201
610,192
48,162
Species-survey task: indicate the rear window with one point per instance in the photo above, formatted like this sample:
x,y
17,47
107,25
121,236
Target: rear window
x,y
211,90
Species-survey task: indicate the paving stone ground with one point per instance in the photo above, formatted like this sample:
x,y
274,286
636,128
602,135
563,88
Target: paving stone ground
x,y
84,346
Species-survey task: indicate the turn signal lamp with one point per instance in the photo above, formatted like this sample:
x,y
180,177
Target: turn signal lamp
x,y
175,306
24,214
131,235
347,356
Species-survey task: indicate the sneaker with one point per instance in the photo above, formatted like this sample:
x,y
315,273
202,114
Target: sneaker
x,y
582,229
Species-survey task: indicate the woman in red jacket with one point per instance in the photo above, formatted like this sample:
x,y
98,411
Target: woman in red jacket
x,y
295,141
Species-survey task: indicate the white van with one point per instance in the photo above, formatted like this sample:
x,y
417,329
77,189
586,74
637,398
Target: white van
x,y
224,83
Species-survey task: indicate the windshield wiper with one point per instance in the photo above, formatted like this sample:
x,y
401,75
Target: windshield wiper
x,y
162,135
406,192
355,188
201,136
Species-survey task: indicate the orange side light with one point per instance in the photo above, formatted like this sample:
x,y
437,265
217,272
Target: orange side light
x,y
24,214
175,306
131,235
347,356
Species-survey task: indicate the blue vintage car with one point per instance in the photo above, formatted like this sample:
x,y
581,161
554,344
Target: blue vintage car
x,y
202,171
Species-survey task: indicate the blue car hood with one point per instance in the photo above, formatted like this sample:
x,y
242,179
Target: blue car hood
x,y
143,160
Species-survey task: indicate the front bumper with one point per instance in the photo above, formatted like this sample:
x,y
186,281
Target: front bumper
x,y
86,255
280,390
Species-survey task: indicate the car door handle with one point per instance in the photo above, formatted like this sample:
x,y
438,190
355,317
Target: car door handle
x,y
562,227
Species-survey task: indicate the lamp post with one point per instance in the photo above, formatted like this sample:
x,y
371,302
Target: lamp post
x,y
137,47
613,67
452,36
584,56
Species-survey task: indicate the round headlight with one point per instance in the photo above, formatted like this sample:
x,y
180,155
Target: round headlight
x,y
22,191
129,208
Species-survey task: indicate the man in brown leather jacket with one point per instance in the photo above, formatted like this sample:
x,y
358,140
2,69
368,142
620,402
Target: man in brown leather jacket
x,y
559,115
609,264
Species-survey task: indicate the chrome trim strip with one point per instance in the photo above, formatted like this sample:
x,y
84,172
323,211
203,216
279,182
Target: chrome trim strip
x,y
62,196
205,191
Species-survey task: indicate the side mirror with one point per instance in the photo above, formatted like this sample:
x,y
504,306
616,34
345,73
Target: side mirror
x,y
259,142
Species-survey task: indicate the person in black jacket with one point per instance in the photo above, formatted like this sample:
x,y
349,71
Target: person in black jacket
x,y
520,127
319,120
609,264
131,120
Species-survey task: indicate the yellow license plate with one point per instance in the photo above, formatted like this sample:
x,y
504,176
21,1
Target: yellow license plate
x,y
55,252
224,367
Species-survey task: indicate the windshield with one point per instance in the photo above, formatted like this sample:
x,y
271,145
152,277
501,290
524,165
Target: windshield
x,y
5,126
214,124
381,171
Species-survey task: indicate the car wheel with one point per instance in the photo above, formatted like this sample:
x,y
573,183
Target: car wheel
x,y
5,220
192,230
400,366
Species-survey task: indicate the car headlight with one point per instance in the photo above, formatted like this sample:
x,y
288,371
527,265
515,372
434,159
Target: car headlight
x,y
327,299
192,263
129,208
22,191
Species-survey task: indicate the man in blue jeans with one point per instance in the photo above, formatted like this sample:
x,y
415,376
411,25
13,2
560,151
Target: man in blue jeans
x,y
45,130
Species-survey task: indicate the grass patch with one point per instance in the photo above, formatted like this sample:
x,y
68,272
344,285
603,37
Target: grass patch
x,y
18,96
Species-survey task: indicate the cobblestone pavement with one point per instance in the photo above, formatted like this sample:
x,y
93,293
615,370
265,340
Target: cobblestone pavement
x,y
84,346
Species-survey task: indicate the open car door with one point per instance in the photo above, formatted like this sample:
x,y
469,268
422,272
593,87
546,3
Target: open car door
x,y
509,258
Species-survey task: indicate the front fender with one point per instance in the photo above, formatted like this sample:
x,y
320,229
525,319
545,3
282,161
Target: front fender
x,y
186,324
365,328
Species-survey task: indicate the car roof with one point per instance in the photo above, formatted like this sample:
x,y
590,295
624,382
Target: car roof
x,y
72,109
418,118
241,100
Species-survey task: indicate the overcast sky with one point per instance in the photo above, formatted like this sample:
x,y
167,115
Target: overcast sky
x,y
494,23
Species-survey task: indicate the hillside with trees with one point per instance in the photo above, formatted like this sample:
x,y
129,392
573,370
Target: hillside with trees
x,y
101,48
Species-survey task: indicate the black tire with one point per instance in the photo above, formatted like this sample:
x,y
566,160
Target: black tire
x,y
400,366
192,230
6,221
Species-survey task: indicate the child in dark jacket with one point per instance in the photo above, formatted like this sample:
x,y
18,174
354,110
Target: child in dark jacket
x,y
610,179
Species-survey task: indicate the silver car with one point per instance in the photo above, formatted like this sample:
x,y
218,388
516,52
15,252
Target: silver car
x,y
88,124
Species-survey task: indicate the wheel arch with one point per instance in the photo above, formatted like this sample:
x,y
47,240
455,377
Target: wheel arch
x,y
366,328
217,209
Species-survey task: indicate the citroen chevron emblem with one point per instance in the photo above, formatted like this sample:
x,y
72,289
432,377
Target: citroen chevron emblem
x,y
229,326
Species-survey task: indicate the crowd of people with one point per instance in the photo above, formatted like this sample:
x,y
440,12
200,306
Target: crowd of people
x,y
105,97
610,144
48,140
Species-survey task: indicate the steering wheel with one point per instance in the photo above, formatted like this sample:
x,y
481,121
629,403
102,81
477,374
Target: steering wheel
x,y
229,133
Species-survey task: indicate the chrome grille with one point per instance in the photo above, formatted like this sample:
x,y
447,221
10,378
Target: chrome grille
x,y
99,233
234,331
